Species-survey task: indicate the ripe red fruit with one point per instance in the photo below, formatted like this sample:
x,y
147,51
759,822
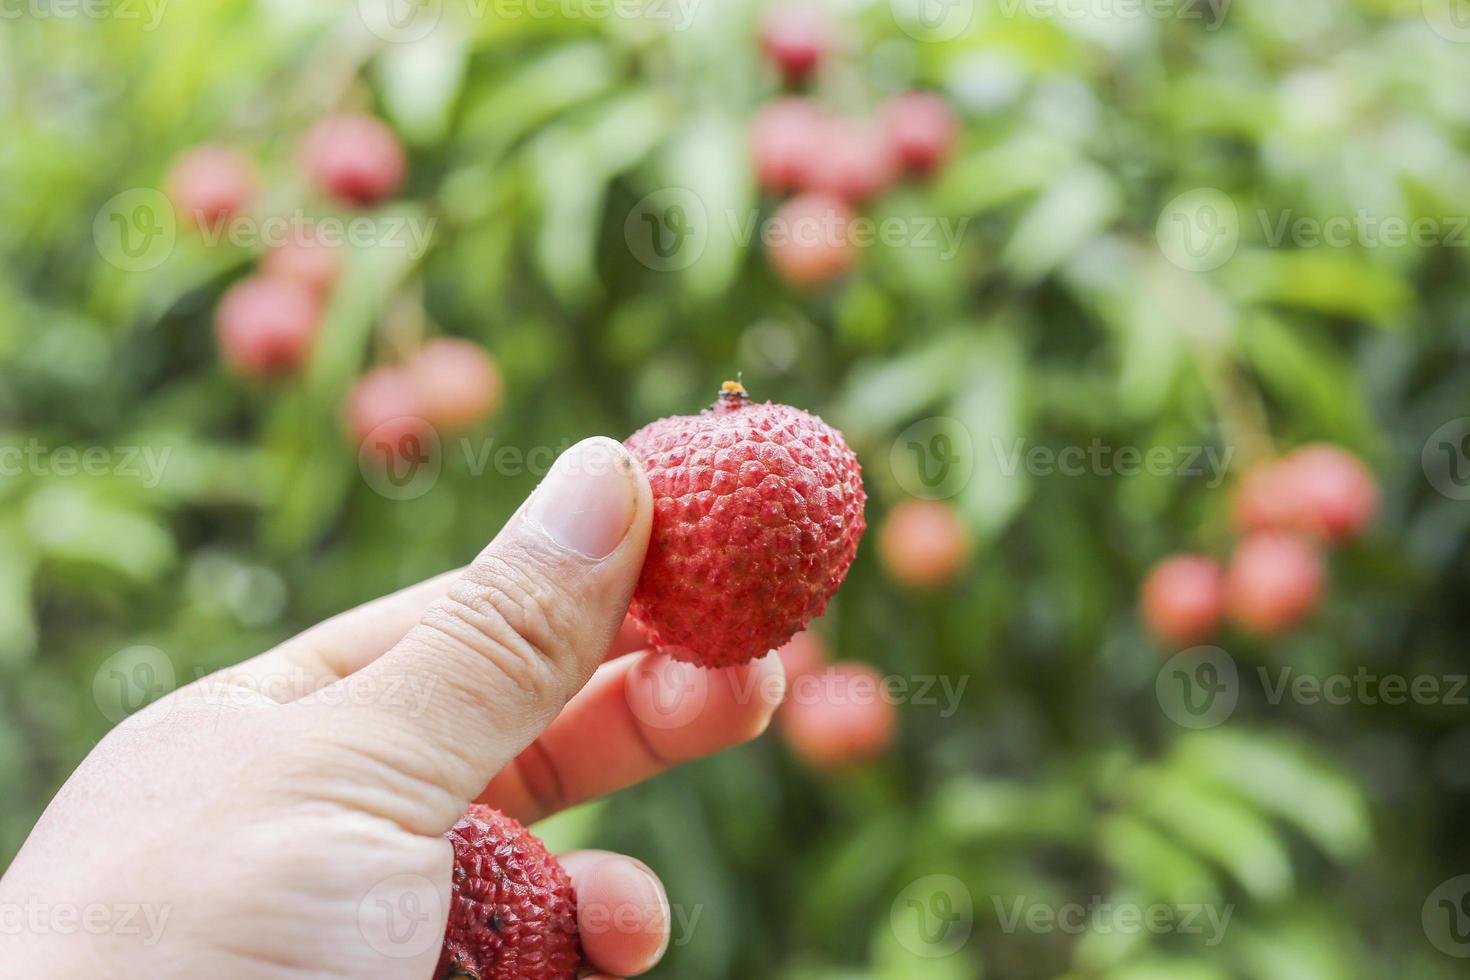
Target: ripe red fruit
x,y
923,543
385,417
758,510
305,258
810,240
512,911
1320,490
785,141
209,184
838,717
458,382
354,158
855,160
803,654
265,326
796,37
921,127
1183,599
1273,582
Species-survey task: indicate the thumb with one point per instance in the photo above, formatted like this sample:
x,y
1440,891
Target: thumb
x,y
519,633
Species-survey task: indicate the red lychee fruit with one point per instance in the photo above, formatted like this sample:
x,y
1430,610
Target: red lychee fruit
x,y
803,654
1183,598
758,509
838,717
1273,582
784,142
306,258
796,37
512,911
923,543
265,326
921,127
1319,490
209,184
354,158
458,381
855,160
809,240
385,417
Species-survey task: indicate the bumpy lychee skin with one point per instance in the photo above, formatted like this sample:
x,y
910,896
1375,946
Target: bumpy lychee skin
x,y
512,913
758,509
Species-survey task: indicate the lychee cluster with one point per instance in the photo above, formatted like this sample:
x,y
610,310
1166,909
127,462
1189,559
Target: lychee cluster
x,y
832,163
836,715
924,544
1287,510
267,323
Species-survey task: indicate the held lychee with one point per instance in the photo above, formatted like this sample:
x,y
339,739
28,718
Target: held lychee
x,y
758,509
921,127
796,37
210,184
512,912
1183,598
265,326
838,717
810,240
923,544
1273,582
354,158
458,382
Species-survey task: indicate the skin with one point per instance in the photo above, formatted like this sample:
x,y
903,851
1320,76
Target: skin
x,y
271,810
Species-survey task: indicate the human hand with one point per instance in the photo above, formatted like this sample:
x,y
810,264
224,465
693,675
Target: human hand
x,y
273,819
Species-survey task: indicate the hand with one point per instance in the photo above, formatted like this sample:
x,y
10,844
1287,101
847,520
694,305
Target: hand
x,y
263,821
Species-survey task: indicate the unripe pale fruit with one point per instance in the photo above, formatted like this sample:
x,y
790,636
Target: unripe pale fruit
x,y
458,382
923,543
921,127
512,910
354,158
209,184
796,37
757,513
811,240
1319,490
855,160
265,326
385,416
785,139
1273,582
305,258
838,717
1183,598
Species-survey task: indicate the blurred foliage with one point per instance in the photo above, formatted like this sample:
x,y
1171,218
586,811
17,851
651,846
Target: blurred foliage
x,y
1058,322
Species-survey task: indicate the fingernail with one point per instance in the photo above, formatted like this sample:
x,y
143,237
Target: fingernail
x,y
587,502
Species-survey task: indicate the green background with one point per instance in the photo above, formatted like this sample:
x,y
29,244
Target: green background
x,y
1060,320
